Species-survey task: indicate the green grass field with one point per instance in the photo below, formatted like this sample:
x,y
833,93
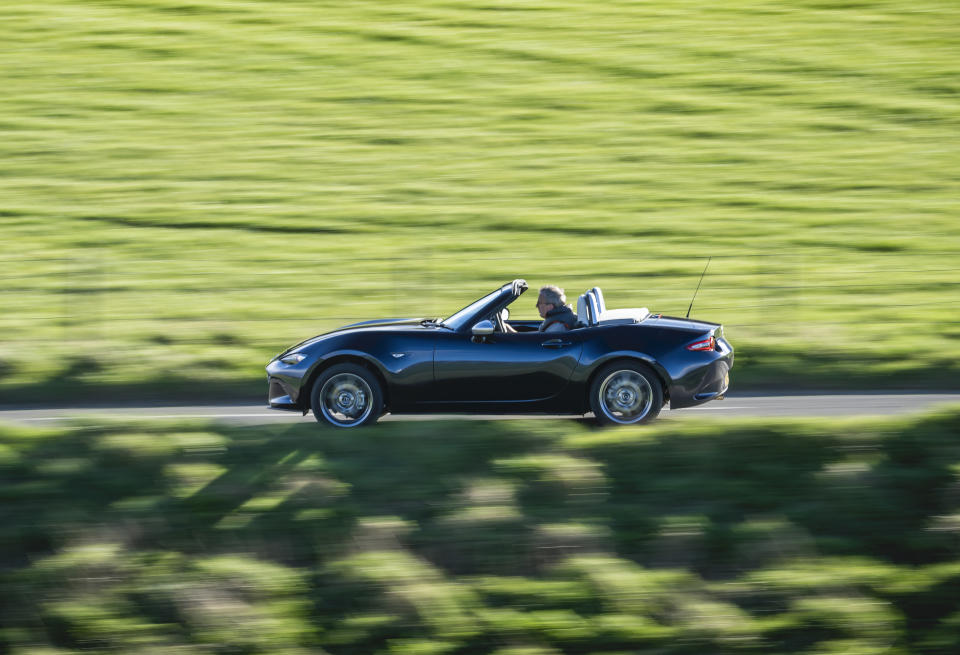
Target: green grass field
x,y
468,538
188,186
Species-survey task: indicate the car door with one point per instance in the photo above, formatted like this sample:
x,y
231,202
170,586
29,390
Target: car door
x,y
523,367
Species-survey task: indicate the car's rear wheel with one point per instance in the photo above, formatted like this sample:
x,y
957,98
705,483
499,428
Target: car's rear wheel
x,y
625,393
347,396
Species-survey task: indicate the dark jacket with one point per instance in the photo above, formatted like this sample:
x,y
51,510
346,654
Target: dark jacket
x,y
559,315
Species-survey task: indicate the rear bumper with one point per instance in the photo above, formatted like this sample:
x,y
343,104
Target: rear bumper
x,y
705,383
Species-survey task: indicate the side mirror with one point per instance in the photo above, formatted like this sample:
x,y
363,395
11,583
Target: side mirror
x,y
482,328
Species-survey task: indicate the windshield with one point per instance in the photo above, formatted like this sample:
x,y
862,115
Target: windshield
x,y
457,320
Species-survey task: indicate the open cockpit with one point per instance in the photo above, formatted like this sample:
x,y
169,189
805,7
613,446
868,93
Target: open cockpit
x,y
592,311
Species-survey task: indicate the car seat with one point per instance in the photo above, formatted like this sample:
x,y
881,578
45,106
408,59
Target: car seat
x,y
583,316
595,312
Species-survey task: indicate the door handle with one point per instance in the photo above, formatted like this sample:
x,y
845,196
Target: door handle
x,y
555,343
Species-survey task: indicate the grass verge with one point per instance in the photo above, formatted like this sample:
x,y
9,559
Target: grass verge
x,y
465,537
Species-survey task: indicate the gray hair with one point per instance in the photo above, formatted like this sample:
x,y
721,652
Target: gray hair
x,y
553,295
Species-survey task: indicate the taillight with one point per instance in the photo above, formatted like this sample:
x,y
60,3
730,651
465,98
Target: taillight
x,y
704,344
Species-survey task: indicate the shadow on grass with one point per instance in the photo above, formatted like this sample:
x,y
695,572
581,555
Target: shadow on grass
x,y
382,520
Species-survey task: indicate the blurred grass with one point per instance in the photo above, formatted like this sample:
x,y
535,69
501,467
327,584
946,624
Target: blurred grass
x,y
187,187
497,537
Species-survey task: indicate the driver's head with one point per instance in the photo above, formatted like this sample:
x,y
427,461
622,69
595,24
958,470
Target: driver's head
x,y
549,299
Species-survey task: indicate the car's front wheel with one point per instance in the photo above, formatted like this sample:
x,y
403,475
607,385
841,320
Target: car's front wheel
x,y
625,393
347,396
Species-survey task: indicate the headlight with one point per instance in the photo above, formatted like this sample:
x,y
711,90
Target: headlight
x,y
293,358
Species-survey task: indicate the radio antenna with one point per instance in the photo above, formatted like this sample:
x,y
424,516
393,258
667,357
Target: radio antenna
x,y
698,287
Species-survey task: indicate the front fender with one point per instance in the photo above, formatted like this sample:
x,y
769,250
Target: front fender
x,y
403,363
297,381
331,359
347,354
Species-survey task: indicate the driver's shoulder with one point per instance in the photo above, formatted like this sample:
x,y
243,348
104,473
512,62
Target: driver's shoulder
x,y
556,327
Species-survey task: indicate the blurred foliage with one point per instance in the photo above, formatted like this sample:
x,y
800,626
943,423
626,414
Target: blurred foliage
x,y
188,187
506,537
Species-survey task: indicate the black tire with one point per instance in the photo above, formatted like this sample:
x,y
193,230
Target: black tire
x,y
626,393
347,396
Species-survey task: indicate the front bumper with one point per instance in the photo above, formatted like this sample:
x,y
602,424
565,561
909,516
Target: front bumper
x,y
285,386
279,396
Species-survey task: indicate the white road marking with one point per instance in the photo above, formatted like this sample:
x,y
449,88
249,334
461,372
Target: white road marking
x,y
713,409
788,405
95,414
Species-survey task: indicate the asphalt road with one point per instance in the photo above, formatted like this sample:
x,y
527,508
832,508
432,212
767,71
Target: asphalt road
x,y
734,406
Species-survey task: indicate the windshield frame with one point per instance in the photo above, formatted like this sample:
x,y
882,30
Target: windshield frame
x,y
458,320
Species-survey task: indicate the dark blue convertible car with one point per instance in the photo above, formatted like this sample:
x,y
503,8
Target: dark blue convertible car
x,y
623,365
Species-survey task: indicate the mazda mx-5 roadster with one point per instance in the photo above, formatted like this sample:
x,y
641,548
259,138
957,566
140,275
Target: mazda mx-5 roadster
x,y
622,365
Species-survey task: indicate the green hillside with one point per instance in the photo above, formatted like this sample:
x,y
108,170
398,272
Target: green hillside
x,y
187,186
469,538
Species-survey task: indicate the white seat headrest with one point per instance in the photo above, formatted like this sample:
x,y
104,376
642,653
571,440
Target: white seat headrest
x,y
598,294
593,309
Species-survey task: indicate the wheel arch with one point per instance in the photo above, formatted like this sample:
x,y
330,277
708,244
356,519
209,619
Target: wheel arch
x,y
342,358
631,358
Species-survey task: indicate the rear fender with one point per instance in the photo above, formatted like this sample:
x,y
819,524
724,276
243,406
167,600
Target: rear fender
x,y
630,355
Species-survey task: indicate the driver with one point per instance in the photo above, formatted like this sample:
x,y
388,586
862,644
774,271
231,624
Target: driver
x,y
557,317
551,304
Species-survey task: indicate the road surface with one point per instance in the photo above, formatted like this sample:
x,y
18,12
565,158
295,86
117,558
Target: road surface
x,y
734,406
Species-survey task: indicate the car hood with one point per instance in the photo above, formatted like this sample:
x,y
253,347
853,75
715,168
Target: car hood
x,y
380,322
362,325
